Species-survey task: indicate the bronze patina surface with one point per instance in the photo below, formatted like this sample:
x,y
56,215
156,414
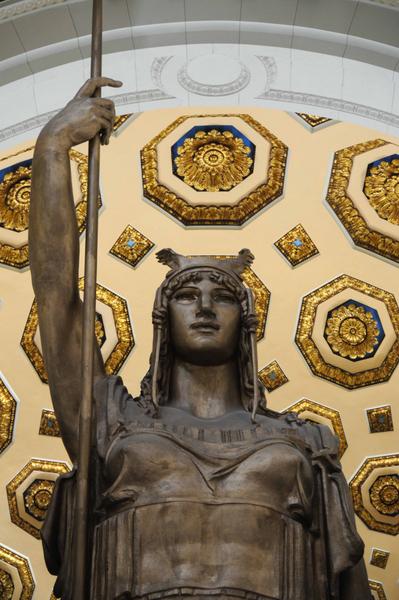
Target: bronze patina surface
x,y
196,488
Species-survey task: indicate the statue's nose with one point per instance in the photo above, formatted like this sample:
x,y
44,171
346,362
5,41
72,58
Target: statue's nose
x,y
205,304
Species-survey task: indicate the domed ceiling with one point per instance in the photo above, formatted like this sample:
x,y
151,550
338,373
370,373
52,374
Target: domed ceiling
x,y
336,59
245,146
316,201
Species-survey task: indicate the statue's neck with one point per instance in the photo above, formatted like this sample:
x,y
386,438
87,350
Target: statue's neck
x,y
207,392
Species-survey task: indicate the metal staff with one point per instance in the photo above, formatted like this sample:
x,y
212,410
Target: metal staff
x,y
82,562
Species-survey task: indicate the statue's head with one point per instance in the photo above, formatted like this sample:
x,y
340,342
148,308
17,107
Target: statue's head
x,y
203,314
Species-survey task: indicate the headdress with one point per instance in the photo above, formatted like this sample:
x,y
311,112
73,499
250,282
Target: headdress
x,y
233,268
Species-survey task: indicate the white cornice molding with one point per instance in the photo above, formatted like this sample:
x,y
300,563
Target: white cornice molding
x,y
331,104
298,99
160,32
39,121
16,9
385,3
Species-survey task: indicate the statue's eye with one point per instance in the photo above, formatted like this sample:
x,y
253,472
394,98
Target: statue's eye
x,y
225,297
186,296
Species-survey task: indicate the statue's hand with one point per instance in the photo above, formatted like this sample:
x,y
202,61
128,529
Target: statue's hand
x,y
83,117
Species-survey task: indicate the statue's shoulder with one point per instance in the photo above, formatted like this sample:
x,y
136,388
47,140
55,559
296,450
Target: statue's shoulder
x,y
316,435
114,400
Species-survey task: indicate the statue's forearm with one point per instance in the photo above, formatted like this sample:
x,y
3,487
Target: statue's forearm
x,y
53,233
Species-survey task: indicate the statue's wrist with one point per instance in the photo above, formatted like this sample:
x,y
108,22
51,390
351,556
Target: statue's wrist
x,y
54,138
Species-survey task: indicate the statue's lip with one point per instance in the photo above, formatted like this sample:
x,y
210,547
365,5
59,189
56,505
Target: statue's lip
x,y
205,325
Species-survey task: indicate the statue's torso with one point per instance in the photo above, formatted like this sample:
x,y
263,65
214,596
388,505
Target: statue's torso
x,y
203,507
188,509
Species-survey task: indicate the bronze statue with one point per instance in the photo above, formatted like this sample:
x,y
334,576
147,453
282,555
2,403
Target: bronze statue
x,y
197,488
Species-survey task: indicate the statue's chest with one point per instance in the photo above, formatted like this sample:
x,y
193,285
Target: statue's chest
x,y
147,465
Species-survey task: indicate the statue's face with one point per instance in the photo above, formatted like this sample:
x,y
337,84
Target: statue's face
x,y
204,320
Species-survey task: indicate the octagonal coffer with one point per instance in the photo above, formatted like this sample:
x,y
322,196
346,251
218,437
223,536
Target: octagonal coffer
x,y
348,332
214,169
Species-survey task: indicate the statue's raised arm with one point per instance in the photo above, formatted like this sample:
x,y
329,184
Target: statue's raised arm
x,y
54,249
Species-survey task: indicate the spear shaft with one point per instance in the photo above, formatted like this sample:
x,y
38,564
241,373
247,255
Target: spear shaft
x,y
81,555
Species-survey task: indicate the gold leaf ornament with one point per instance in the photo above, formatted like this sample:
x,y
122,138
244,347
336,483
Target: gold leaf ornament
x,y
384,495
37,498
16,580
213,161
351,331
313,120
381,187
6,585
15,198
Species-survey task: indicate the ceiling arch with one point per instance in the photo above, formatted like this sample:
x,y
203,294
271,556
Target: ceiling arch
x,y
339,59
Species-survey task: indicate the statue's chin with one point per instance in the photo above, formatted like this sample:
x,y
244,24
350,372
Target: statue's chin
x,y
205,355
205,346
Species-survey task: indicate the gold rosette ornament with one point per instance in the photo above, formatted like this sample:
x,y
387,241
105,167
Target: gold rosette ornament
x,y
6,585
213,161
15,198
37,498
384,495
351,331
381,187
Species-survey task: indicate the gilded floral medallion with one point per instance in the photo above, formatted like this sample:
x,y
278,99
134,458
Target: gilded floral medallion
x,y
353,330
381,187
15,188
37,498
384,495
213,158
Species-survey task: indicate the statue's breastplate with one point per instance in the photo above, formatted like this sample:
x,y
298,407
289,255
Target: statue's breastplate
x,y
196,514
145,465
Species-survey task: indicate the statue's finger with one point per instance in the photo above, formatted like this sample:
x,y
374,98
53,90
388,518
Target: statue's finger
x,y
105,103
104,113
107,133
89,87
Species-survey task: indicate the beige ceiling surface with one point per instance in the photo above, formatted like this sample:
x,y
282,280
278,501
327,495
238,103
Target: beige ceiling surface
x,y
337,389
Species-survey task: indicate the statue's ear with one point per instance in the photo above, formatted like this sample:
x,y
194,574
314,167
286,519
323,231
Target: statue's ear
x,y
169,257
